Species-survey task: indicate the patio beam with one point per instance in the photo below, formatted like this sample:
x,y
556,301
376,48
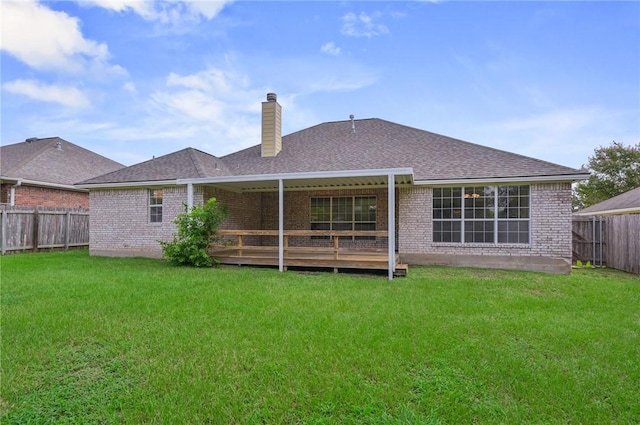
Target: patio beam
x,y
281,225
391,222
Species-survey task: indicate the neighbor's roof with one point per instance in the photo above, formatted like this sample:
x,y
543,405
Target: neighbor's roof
x,y
43,160
625,203
375,144
186,163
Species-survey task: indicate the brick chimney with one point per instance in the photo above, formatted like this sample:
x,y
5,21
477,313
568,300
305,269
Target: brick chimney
x,y
271,126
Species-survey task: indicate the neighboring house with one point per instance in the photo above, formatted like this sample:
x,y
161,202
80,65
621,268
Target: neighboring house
x,y
42,173
357,186
617,227
625,203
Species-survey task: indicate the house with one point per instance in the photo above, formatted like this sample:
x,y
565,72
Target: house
x,y
625,203
42,173
364,193
614,223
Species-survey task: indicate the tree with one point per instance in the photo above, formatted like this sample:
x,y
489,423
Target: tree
x,y
615,169
195,235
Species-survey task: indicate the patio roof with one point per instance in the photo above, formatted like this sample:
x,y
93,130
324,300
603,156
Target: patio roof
x,y
348,179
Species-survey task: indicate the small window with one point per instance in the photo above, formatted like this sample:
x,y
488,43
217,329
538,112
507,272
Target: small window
x,y
155,206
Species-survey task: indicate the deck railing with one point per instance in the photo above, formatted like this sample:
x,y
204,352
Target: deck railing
x,y
335,234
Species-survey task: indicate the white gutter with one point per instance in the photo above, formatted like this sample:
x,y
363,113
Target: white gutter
x,y
20,181
295,176
523,179
632,210
127,184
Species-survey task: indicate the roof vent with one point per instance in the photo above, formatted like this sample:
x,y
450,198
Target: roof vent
x,y
353,123
58,146
31,139
272,97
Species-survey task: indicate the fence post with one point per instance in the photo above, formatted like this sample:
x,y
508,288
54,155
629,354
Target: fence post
x,y
601,242
3,236
593,238
36,219
67,231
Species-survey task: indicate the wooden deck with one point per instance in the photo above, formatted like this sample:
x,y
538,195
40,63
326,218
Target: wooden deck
x,y
335,257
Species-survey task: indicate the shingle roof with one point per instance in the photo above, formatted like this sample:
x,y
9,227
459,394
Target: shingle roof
x,y
380,144
44,160
186,163
628,202
333,146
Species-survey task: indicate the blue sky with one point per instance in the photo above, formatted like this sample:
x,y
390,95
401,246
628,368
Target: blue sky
x,y
131,79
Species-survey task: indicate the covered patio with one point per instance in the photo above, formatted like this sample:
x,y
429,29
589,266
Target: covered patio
x,y
280,252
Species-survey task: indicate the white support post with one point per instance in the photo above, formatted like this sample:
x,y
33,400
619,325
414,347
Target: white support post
x,y
391,221
281,225
189,196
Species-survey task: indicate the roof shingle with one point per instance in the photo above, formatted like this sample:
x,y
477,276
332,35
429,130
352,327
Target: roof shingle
x,y
53,160
334,146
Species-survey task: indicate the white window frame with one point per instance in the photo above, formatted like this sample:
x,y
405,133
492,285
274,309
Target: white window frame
x,y
495,219
353,221
155,206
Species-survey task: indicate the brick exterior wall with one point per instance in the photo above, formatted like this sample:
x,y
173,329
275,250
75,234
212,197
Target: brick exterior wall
x,y
34,196
120,223
297,216
256,211
550,229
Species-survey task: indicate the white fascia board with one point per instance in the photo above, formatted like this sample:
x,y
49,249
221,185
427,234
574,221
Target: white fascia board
x,y
6,179
619,211
28,182
294,176
533,179
128,184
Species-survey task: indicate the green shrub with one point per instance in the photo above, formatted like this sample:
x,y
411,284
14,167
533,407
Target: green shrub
x,y
196,228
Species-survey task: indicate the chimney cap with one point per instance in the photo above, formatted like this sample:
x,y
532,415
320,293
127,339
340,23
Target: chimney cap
x,y
272,97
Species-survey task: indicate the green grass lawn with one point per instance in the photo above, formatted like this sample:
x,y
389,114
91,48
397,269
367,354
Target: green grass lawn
x,y
104,340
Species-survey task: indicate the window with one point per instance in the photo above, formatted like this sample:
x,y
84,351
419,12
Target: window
x,y
481,214
343,213
155,206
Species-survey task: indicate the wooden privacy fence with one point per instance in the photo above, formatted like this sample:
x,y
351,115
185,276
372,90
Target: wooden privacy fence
x,y
34,229
589,242
623,242
613,241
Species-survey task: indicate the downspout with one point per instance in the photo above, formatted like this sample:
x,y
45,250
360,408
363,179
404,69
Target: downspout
x,y
189,196
12,196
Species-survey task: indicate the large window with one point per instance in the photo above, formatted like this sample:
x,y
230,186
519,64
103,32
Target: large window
x,y
155,206
481,214
344,213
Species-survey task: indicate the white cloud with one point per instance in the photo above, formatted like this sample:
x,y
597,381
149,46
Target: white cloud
x,y
129,87
166,12
362,25
330,48
64,95
45,39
